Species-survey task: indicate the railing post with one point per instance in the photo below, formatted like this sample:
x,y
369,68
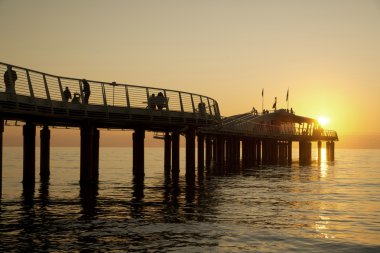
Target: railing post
x,y
30,84
81,90
105,99
61,89
209,106
46,88
147,94
180,101
192,102
104,95
127,97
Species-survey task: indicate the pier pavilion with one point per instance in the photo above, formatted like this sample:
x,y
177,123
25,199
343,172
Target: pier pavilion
x,y
38,99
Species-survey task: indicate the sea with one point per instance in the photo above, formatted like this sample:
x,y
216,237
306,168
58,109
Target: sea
x,y
324,207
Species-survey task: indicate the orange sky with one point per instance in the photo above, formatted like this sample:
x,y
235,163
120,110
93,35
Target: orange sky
x,y
326,52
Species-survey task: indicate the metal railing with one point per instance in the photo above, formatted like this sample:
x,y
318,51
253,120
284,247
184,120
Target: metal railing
x,y
39,85
283,131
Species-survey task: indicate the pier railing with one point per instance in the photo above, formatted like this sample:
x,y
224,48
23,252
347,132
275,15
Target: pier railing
x,y
34,87
246,127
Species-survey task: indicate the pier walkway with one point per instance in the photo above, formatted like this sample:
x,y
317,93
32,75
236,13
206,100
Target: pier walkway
x,y
40,99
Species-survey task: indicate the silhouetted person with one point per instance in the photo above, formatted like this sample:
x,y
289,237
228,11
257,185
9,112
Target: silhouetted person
x,y
10,77
86,91
160,101
275,104
291,110
67,94
76,98
202,108
152,102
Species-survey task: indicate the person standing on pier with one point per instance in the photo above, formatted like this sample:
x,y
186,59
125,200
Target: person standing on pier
x,y
67,94
10,77
152,102
275,104
86,91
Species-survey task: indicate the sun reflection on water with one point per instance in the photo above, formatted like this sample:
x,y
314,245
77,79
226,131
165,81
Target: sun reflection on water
x,y
323,163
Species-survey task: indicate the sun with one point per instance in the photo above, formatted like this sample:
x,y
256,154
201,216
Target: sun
x,y
323,121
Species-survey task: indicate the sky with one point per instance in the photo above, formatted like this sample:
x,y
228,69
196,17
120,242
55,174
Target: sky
x,y
326,52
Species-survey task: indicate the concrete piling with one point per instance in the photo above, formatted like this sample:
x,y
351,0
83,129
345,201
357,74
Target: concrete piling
x,y
208,151
1,156
138,152
29,151
89,154
201,153
190,152
290,152
45,153
175,154
167,152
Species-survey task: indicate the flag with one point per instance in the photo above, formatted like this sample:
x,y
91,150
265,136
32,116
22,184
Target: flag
x,y
287,95
262,92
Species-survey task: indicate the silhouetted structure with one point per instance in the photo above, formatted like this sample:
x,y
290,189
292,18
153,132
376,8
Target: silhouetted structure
x,y
254,138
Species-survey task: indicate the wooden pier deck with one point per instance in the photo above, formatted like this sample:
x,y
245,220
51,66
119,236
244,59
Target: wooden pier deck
x,y
38,99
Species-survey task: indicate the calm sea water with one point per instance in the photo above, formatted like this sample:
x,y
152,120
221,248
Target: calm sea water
x,y
331,207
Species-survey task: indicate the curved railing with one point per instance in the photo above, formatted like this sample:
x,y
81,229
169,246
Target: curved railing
x,y
38,85
247,127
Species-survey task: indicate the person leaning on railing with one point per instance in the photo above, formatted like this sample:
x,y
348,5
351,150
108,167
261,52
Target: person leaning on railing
x,y
10,77
86,91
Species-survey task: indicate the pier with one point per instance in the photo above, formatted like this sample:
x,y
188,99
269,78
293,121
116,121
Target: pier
x,y
38,100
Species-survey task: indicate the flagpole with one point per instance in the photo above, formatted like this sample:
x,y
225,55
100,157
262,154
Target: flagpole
x,y
287,100
262,100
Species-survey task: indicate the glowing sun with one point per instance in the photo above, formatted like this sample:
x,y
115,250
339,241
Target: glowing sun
x,y
323,121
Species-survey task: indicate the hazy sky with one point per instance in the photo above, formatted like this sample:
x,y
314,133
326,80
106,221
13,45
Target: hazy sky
x,y
326,52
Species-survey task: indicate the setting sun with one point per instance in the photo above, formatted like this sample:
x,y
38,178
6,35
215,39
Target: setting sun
x,y
323,121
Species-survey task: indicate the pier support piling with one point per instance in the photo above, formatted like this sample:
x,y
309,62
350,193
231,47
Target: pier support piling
x,y
258,151
190,152
244,152
138,152
237,152
214,149
29,151
45,153
290,152
319,151
89,154
167,152
208,151
175,154
220,152
305,152
201,153
328,152
1,155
